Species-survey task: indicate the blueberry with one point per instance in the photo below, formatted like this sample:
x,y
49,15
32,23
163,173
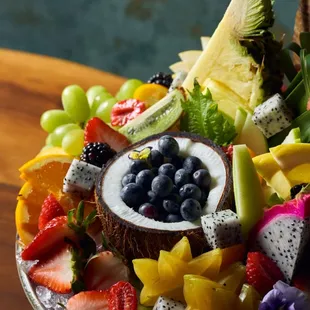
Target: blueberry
x,y
204,197
138,165
156,158
174,197
202,179
144,178
182,177
190,210
175,190
133,195
176,161
155,171
168,170
190,191
168,146
149,210
191,164
171,206
154,199
128,178
173,218
162,185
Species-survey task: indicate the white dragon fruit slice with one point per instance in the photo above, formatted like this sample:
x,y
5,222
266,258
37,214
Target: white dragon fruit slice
x,y
272,116
80,178
164,303
283,233
222,229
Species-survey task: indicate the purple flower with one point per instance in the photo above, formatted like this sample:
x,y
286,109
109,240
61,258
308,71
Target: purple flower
x,y
285,297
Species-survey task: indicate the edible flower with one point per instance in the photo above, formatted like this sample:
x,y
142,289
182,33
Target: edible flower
x,y
285,297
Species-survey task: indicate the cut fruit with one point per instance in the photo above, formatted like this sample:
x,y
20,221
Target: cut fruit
x,y
201,293
46,171
146,270
270,171
252,137
293,136
158,118
240,119
249,197
204,42
183,250
180,67
190,57
52,151
227,100
233,254
227,58
233,277
249,299
152,236
150,93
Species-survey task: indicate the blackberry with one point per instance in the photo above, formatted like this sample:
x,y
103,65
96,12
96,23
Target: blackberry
x,y
296,189
97,154
161,79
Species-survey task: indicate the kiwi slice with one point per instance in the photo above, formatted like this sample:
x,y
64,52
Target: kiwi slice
x,y
158,118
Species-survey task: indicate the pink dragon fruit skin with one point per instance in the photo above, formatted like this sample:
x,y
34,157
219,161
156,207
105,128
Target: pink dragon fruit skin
x,y
283,233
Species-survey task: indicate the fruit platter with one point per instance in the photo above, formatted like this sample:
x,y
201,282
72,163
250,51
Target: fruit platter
x,y
187,191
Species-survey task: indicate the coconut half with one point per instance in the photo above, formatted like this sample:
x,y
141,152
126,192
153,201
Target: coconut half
x,y
137,236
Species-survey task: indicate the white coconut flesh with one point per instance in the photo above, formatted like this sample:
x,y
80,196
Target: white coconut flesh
x,y
111,185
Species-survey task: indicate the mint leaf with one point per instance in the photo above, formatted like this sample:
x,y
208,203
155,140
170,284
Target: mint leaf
x,y
202,117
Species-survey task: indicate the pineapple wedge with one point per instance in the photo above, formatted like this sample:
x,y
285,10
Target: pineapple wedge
x,y
241,54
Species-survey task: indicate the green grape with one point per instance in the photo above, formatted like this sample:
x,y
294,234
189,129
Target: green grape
x,y
98,100
61,131
93,92
51,119
46,147
49,140
127,89
73,142
75,103
104,110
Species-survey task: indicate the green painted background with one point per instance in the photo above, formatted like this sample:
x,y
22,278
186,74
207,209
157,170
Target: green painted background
x,y
133,38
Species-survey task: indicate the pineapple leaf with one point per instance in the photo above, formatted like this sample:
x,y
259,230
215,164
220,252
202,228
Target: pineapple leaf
x,y
203,118
287,64
294,47
251,17
305,41
305,69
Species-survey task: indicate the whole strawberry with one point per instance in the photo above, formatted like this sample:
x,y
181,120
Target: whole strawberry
x,y
51,208
262,272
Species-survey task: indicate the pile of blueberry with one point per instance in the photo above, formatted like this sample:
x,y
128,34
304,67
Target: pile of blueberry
x,y
165,186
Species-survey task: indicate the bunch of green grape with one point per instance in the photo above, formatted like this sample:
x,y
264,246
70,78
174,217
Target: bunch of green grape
x,y
65,127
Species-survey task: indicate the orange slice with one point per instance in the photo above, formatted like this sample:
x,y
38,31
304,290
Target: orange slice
x,y
47,171
150,93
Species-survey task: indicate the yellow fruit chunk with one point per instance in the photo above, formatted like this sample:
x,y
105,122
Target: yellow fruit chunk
x,y
146,270
150,93
201,293
183,250
233,277
171,268
294,161
249,299
52,150
47,171
232,255
270,171
207,264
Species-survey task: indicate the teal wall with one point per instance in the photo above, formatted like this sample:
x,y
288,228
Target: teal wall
x,y
133,38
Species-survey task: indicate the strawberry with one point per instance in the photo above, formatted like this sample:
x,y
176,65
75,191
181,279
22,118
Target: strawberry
x,y
262,272
50,209
103,270
98,131
55,272
228,150
49,238
91,300
123,296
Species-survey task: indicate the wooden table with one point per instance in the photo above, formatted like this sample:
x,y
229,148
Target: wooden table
x,y
29,85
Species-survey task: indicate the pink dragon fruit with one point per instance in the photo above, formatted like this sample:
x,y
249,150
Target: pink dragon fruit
x,y
283,233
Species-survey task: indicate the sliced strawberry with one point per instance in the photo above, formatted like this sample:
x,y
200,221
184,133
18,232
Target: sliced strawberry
x,y
55,272
97,131
125,111
91,300
123,296
104,270
262,272
49,239
51,208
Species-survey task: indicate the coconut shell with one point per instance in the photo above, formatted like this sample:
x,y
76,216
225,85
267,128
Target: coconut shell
x,y
134,241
